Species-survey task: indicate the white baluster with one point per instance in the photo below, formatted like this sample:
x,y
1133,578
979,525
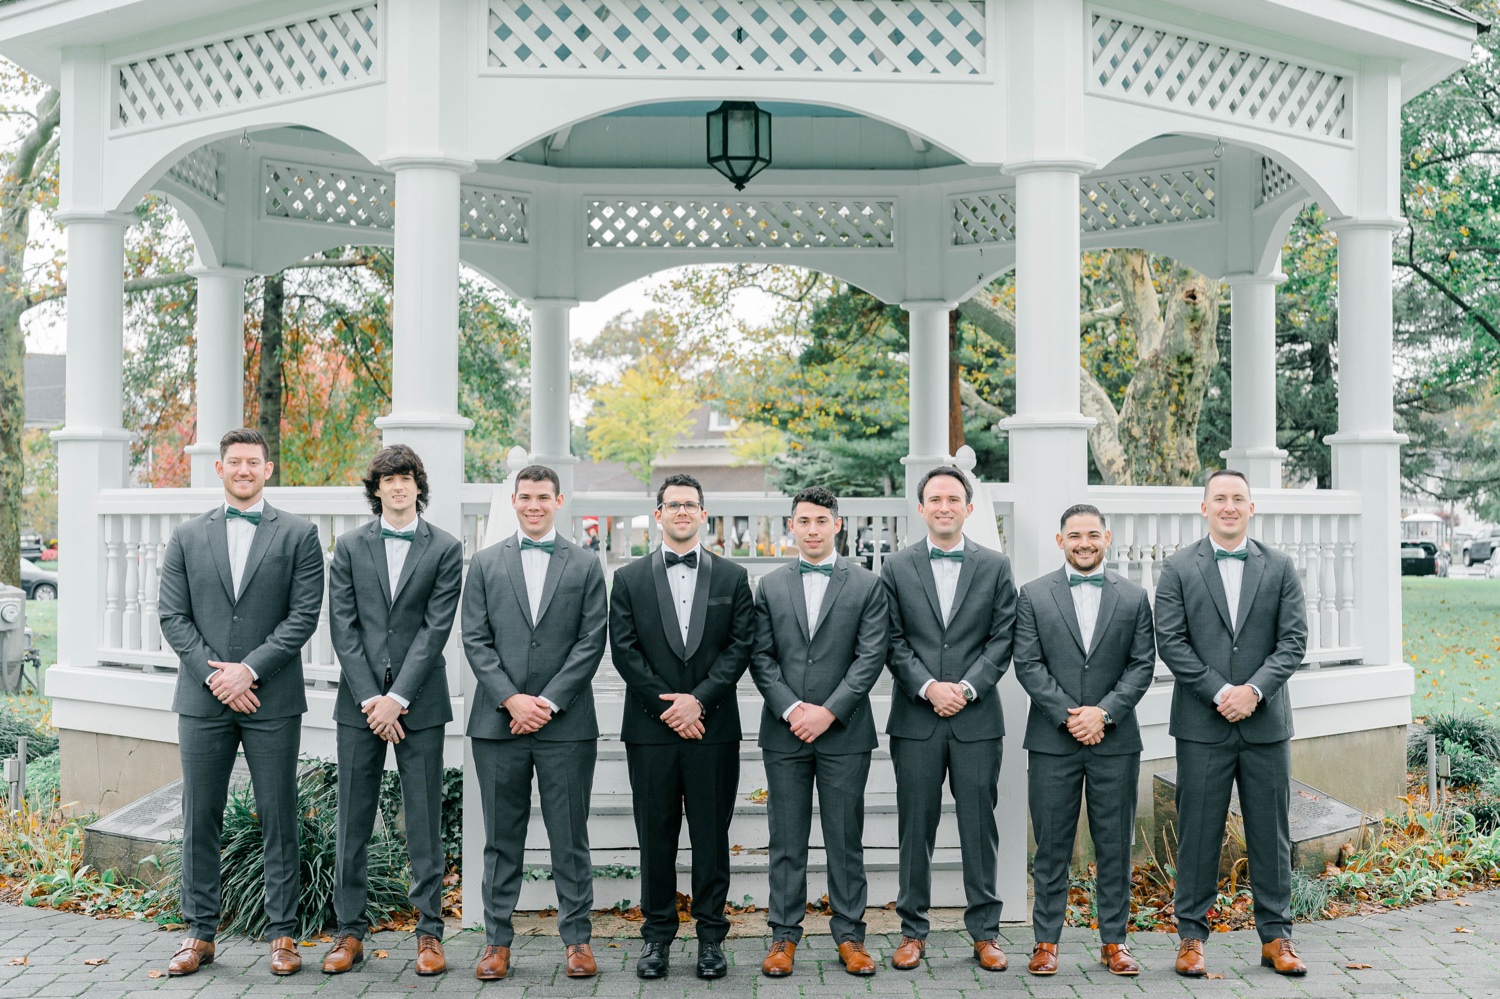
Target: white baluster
x,y
151,549
113,572
1327,608
1312,579
131,638
1346,558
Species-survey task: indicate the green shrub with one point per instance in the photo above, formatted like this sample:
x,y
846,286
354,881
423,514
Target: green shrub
x,y
40,741
1476,733
1310,895
453,810
44,781
1466,767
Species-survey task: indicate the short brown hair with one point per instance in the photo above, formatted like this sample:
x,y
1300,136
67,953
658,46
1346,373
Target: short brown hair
x,y
244,435
1225,473
538,473
396,459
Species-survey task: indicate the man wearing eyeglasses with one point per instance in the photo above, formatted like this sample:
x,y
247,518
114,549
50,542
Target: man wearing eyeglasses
x,y
681,622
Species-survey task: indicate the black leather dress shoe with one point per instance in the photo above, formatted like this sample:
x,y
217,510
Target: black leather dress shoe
x,y
711,961
653,962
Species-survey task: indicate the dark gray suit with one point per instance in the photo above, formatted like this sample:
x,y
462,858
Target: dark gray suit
x,y
1264,648
974,646
554,657
392,645
836,668
1058,672
281,595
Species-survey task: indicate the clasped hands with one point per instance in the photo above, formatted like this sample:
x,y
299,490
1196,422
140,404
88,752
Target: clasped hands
x,y
809,721
234,685
383,713
527,713
1086,724
1238,703
947,699
685,716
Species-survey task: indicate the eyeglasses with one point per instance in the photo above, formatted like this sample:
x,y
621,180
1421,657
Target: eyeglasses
x,y
688,507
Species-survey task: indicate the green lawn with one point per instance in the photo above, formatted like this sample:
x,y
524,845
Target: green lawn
x,y
41,618
1451,637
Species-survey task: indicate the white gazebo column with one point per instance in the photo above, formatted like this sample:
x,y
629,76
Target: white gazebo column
x,y
1252,322
92,446
424,364
551,357
221,365
1367,449
928,395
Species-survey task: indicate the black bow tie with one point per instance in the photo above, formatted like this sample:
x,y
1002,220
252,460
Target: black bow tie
x,y
690,559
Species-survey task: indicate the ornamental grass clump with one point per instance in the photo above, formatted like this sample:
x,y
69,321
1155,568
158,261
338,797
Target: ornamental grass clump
x,y
1476,733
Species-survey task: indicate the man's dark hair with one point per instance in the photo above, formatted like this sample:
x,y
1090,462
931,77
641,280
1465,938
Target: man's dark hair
x,y
1081,510
243,435
942,470
538,473
397,459
679,479
817,496
1225,473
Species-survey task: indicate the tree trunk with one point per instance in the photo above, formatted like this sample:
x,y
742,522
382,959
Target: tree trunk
x,y
273,300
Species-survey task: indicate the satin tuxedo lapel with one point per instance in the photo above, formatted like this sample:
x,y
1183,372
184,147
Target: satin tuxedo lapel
x,y
377,557
1208,568
413,558
835,584
664,606
1062,594
555,567
700,602
265,533
1255,567
218,545
510,557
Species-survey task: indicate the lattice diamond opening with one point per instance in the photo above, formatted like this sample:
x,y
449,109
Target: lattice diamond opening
x,y
984,218
495,216
199,171
284,59
1160,197
1163,67
840,224
1275,180
327,194
844,37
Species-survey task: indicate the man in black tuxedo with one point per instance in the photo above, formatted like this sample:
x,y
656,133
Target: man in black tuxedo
x,y
681,623
821,633
1231,625
953,608
1085,653
392,593
241,590
534,620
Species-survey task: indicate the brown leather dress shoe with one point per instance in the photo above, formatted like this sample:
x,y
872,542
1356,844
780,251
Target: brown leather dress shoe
x,y
284,957
856,960
1116,957
778,963
909,954
1043,959
1190,963
1281,955
580,961
346,953
430,957
192,955
494,964
990,956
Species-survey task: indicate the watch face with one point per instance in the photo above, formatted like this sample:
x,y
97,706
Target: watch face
x,y
968,694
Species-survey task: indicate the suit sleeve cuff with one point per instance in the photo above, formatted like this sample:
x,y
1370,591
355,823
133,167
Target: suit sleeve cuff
x,y
788,712
1219,697
922,693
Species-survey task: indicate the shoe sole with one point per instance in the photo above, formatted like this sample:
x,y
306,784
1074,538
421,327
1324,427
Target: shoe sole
x,y
284,974
1191,974
1121,974
181,974
1003,967
649,975
1265,963
429,974
580,974
341,971
775,974
714,975
1041,974
859,974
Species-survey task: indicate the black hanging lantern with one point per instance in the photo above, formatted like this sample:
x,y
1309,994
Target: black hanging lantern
x,y
739,141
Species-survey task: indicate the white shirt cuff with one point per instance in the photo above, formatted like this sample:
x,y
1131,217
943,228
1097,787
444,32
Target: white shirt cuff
x,y
253,675
550,706
395,697
1219,697
923,692
1258,695
788,712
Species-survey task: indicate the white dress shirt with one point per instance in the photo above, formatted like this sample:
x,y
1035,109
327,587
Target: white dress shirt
x,y
683,581
1086,600
945,572
534,565
814,589
241,535
1232,575
395,560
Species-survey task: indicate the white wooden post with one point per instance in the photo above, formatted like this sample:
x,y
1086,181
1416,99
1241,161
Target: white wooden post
x,y
1252,319
551,428
928,395
221,365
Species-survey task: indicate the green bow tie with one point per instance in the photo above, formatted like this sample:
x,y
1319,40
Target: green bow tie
x,y
386,534
545,546
230,513
805,567
1220,554
1096,580
956,554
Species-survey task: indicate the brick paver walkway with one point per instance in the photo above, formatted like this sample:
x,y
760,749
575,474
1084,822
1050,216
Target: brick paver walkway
x,y
1415,952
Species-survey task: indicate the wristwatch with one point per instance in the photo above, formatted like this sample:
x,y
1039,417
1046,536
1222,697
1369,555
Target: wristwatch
x,y
969,693
1107,719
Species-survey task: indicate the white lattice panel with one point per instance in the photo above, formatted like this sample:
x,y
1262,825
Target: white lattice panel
x,y
1158,197
833,224
494,216
842,37
988,217
199,171
1274,180
1167,68
288,58
328,194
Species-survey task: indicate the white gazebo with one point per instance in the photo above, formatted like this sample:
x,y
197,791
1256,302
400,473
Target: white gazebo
x,y
921,147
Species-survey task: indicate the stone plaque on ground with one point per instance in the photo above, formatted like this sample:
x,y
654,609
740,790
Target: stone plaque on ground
x,y
128,835
1320,824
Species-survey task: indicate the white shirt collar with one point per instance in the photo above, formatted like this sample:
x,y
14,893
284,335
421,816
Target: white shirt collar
x,y
956,548
1239,547
549,536
1069,570
258,506
385,525
830,560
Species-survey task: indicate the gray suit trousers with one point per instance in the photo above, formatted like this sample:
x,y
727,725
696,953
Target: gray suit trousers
x,y
1205,773
208,747
419,759
973,773
840,779
1055,789
565,778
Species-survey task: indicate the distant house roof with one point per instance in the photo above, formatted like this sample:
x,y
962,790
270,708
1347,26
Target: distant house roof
x,y
45,378
1452,8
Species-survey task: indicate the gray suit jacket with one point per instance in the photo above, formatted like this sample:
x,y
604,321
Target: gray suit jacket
x,y
1058,673
375,635
836,668
1194,639
975,646
554,657
281,595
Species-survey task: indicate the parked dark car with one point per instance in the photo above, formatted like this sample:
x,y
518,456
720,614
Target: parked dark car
x,y
31,547
1480,549
38,583
867,539
1423,558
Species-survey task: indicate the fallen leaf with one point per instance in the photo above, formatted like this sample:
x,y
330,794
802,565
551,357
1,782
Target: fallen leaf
x,y
614,945
94,962
324,938
381,955
1358,967
1214,974
1462,929
307,943
153,973
20,961
1463,903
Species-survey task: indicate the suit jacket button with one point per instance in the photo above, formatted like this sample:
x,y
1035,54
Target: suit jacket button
x,y
536,645
236,617
947,646
1236,648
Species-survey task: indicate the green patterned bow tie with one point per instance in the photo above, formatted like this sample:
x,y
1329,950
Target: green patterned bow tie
x,y
1220,554
230,513
386,534
956,554
1076,580
545,546
805,567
